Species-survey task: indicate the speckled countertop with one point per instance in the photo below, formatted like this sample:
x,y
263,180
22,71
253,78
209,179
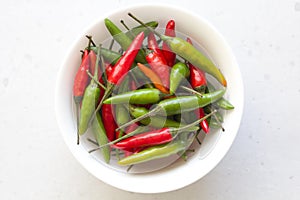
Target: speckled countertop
x,y
264,161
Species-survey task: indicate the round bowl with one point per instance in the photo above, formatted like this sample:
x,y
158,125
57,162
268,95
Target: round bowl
x,y
215,145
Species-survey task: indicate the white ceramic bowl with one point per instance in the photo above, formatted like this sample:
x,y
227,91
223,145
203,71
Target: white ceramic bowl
x,y
215,145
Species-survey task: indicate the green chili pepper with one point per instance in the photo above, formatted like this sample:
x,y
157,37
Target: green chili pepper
x,y
222,103
90,100
183,104
100,135
109,56
140,96
136,30
122,39
178,72
122,115
154,121
192,55
155,152
180,104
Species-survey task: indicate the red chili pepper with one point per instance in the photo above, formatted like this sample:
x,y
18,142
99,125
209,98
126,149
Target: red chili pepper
x,y
109,121
197,76
108,69
146,139
198,82
81,78
203,124
121,68
93,58
157,61
152,44
169,55
124,63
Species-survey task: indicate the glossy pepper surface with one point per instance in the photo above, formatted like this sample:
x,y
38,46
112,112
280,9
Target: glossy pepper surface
x,y
140,96
155,79
197,76
168,54
154,152
109,121
100,135
81,78
124,63
157,61
178,73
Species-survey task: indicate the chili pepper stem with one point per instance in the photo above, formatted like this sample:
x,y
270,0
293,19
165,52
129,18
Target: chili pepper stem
x,y
92,77
111,44
102,66
115,141
108,91
92,141
90,40
123,23
191,90
161,36
199,142
223,129
129,168
149,114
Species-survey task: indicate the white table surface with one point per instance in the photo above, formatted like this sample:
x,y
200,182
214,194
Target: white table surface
x,y
264,161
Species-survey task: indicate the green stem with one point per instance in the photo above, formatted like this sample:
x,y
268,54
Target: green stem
x,y
150,113
92,141
92,77
223,129
111,44
102,66
148,27
123,23
194,123
96,64
108,91
191,90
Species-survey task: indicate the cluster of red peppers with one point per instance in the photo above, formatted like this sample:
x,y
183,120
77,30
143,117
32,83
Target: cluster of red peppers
x,y
141,102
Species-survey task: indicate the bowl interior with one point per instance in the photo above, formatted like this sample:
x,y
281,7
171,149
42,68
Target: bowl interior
x,y
214,145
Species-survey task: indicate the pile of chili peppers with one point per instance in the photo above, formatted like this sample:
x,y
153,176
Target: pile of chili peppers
x,y
145,101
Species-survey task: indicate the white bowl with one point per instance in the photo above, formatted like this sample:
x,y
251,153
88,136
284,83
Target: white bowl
x,y
215,145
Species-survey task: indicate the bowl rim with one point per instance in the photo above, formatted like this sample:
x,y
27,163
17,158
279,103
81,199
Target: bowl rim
x,y
133,182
